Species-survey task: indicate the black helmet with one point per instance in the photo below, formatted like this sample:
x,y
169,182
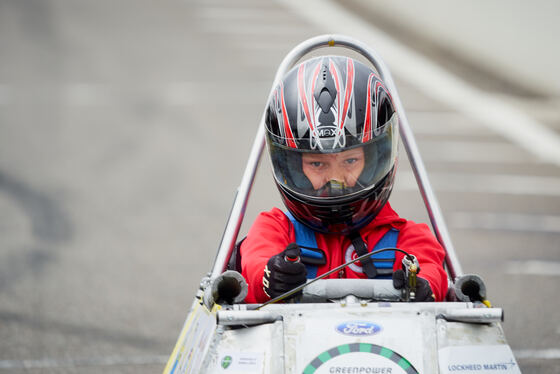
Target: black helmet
x,y
332,135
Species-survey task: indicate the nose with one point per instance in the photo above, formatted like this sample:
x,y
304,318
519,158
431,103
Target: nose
x,y
347,176
340,175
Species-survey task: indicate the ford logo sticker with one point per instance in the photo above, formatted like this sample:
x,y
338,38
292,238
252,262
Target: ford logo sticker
x,y
358,328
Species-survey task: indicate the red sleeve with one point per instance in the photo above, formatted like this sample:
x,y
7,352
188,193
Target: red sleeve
x,y
270,234
417,239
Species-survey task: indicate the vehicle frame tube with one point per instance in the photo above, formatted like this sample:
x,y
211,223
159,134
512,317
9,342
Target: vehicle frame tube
x,y
240,203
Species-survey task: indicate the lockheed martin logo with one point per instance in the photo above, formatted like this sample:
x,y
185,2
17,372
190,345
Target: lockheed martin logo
x,y
358,328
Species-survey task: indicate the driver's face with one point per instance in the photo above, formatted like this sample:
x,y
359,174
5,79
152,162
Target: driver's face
x,y
344,167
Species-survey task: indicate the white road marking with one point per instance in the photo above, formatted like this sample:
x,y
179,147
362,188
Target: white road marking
x,y
534,267
78,362
541,354
179,93
265,47
88,94
481,152
504,221
244,13
444,123
4,94
434,81
84,95
497,183
251,28
92,94
233,4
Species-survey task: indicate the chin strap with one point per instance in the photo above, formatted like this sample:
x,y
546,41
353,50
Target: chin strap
x,y
361,249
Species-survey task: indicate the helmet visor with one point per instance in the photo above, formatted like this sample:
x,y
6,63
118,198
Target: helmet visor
x,y
336,173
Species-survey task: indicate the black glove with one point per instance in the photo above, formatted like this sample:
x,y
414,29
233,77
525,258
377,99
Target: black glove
x,y
423,290
284,272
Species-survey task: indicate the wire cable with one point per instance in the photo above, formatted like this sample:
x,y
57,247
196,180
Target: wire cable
x,y
338,268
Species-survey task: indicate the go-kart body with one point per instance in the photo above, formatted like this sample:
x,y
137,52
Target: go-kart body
x,y
346,335
341,326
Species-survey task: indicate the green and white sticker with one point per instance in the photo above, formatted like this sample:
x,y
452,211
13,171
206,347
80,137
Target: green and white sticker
x,y
359,358
234,362
226,361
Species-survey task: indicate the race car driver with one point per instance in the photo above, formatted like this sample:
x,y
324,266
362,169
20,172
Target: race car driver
x,y
332,135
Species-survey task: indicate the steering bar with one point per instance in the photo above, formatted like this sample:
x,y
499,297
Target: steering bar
x,y
332,289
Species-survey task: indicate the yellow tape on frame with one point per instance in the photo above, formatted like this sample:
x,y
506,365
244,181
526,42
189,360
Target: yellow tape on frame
x,y
193,341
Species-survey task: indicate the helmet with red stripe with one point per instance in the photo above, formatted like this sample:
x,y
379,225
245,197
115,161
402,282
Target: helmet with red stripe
x,y
332,135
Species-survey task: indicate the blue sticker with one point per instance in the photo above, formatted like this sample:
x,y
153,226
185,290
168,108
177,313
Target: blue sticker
x,y
358,328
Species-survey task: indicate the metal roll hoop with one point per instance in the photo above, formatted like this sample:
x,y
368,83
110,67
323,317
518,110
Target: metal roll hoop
x,y
430,201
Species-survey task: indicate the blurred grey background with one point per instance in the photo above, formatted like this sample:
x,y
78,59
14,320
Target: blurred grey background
x,y
125,127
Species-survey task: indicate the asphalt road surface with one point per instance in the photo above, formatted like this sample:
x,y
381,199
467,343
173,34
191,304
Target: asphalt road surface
x,y
124,130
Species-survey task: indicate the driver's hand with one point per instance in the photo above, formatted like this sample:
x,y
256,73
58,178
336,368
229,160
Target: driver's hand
x,y
423,289
284,272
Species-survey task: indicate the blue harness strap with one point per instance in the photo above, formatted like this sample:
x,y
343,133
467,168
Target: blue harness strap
x,y
389,240
386,259
306,237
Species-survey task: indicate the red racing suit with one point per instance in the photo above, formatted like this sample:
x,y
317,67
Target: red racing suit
x,y
272,231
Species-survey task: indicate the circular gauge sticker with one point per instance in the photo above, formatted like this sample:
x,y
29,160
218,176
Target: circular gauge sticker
x,y
359,358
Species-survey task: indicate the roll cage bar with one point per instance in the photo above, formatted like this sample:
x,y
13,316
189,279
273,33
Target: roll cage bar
x,y
241,198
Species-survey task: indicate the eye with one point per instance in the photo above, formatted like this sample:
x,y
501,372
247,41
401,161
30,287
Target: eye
x,y
316,164
350,161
